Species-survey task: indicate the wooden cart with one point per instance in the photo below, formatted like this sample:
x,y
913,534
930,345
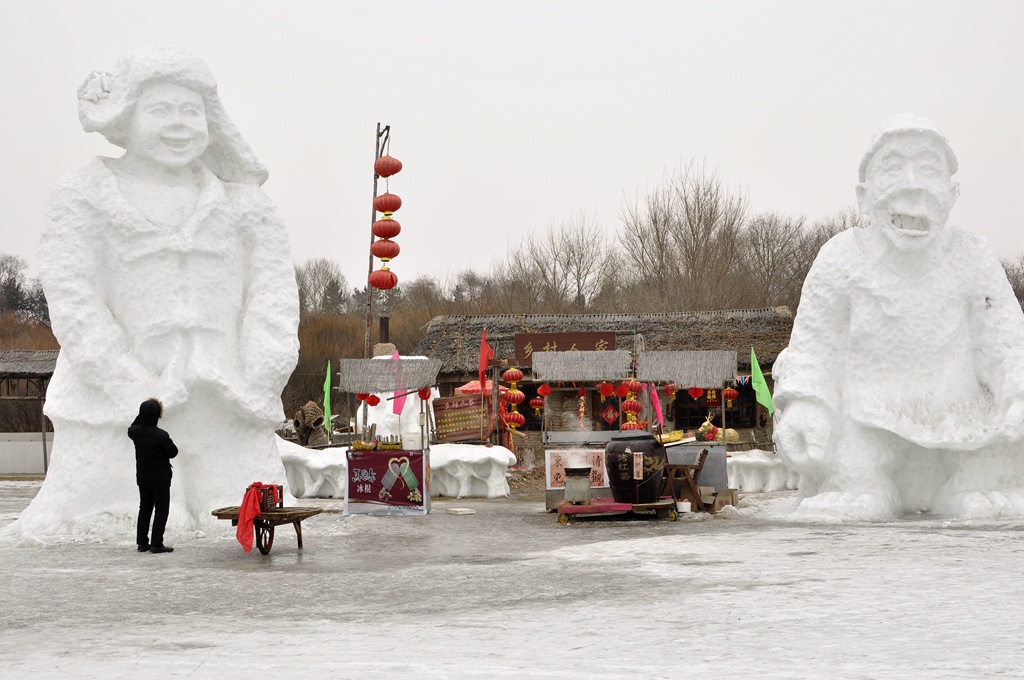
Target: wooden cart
x,y
663,507
263,526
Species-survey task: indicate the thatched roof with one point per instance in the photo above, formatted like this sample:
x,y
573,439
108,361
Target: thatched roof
x,y
27,363
710,368
455,340
584,366
386,375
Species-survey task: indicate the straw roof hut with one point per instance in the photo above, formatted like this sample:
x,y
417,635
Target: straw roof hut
x,y
455,340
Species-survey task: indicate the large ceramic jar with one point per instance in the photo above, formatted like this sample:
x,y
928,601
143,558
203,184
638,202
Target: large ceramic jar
x,y
618,462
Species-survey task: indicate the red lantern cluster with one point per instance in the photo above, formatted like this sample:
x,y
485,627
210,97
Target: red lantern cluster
x,y
513,397
630,406
384,249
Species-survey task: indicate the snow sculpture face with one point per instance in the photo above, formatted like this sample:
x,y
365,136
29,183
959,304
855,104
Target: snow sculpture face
x,y
168,126
908,189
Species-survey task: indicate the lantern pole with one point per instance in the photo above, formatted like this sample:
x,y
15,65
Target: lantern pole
x,y
384,134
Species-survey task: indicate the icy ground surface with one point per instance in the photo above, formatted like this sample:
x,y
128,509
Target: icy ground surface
x,y
509,593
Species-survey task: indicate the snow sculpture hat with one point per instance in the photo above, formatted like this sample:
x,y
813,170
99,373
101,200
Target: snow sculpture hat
x,y
907,122
105,100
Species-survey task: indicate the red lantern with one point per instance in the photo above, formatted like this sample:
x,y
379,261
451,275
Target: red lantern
x,y
361,396
621,391
514,419
606,389
544,390
373,400
385,166
670,390
695,392
514,396
424,393
384,249
387,228
387,203
631,425
512,375
383,279
631,406
537,403
729,393
633,386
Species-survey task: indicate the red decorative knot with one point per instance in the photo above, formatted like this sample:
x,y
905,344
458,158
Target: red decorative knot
x,y
373,400
512,375
387,228
695,392
424,393
361,396
383,279
384,249
385,166
387,203
544,390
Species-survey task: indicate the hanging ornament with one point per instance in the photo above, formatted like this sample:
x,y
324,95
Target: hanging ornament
x,y
385,250
544,390
373,400
385,166
423,393
513,397
361,396
514,419
730,393
387,203
581,406
606,389
383,279
695,392
621,391
633,386
537,403
387,228
670,390
631,425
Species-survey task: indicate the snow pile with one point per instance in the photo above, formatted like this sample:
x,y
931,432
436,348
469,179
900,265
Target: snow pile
x,y
314,473
461,470
757,471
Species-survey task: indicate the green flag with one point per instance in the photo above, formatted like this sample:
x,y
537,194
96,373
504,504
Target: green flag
x,y
764,397
327,401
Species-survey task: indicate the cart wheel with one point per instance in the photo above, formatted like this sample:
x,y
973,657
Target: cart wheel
x,y
672,516
563,518
264,536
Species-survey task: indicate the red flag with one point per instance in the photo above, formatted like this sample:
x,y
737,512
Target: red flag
x,y
486,353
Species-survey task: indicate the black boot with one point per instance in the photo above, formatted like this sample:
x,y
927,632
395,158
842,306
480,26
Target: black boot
x,y
161,549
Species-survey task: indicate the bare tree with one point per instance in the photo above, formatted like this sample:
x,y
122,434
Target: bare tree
x,y
322,287
770,246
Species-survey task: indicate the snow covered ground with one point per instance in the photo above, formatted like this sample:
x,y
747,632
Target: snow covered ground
x,y
509,593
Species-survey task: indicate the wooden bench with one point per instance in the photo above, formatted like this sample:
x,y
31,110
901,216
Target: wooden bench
x,y
680,481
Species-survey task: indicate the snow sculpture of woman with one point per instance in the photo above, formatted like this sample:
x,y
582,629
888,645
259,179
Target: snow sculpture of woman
x,y
168,274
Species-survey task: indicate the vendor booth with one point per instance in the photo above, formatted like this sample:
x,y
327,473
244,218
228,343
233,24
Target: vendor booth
x,y
389,465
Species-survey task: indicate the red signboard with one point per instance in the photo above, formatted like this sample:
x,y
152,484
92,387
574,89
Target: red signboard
x,y
379,481
528,344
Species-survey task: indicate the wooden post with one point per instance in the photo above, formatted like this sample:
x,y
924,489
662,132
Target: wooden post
x,y
369,288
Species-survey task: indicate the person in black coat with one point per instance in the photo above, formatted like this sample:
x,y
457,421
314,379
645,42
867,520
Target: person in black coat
x,y
153,452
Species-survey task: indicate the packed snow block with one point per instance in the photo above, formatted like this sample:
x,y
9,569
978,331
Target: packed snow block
x,y
314,473
469,470
758,471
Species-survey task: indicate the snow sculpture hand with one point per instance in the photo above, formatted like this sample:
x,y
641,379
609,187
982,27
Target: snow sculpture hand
x,y
803,431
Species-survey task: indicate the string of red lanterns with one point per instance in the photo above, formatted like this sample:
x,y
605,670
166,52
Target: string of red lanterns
x,y
384,249
513,397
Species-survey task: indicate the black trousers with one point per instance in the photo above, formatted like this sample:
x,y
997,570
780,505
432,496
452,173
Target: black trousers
x,y
151,499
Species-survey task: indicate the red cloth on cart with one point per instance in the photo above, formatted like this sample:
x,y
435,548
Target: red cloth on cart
x,y
250,510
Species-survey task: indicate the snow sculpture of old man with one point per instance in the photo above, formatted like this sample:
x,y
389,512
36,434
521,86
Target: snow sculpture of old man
x,y
902,389
168,274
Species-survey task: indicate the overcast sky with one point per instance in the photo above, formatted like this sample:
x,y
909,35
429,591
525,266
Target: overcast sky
x,y
513,116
